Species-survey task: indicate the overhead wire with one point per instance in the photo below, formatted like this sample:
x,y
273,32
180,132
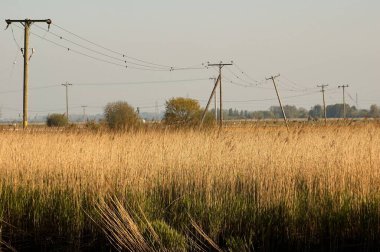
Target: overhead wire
x,y
98,52
244,73
100,59
265,99
108,49
124,55
238,83
150,67
139,82
352,99
111,83
14,39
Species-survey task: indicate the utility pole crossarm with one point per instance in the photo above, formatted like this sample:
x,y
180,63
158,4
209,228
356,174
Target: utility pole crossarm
x,y
273,77
220,64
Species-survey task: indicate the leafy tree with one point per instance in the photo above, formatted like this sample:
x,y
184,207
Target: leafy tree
x,y
316,111
56,120
120,116
334,111
302,113
374,111
185,112
230,112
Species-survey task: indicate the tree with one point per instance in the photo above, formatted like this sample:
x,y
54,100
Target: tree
x,y
56,120
120,116
374,111
334,111
302,113
183,111
316,111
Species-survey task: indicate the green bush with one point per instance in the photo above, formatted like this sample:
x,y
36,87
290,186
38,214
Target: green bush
x,y
120,116
57,120
185,112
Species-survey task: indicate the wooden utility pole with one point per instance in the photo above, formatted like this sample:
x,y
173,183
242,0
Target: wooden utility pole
x,y
324,102
84,112
344,100
209,100
215,101
279,99
220,65
67,99
26,23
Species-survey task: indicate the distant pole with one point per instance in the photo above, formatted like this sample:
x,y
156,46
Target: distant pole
x,y
357,101
156,111
344,100
26,23
67,98
84,112
279,99
324,103
220,66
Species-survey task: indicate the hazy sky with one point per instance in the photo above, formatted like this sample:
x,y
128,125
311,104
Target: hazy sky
x,y
308,42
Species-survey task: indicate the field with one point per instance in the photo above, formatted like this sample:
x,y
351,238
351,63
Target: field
x,y
248,188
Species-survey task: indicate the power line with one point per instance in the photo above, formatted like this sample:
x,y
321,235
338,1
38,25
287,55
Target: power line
x,y
100,53
293,82
125,56
93,57
239,78
139,82
112,83
110,50
241,84
266,99
14,39
243,72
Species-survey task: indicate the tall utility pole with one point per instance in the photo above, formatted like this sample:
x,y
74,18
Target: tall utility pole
x,y
215,101
67,98
84,112
324,102
220,65
26,23
273,78
344,100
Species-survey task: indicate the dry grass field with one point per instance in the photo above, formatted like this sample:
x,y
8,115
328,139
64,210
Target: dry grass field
x,y
247,188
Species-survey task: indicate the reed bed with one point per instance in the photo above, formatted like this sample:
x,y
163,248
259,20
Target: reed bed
x,y
248,188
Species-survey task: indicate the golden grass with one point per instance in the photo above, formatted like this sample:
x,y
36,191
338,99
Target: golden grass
x,y
240,167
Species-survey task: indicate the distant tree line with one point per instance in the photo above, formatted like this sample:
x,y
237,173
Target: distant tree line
x,y
332,111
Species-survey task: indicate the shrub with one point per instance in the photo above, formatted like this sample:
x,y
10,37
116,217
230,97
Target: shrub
x,y
57,120
120,116
185,112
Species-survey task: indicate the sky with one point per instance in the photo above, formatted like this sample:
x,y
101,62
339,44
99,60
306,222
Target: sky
x,y
309,43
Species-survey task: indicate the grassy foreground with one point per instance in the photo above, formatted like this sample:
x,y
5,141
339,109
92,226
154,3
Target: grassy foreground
x,y
241,189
